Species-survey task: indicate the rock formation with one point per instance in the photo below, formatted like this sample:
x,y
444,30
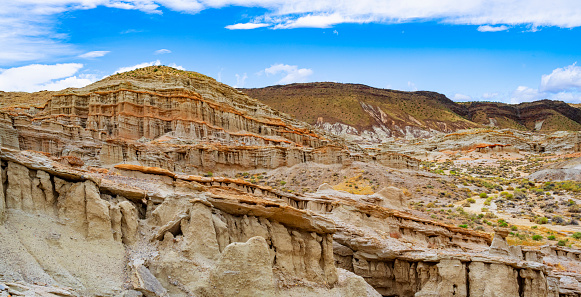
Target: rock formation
x,y
101,194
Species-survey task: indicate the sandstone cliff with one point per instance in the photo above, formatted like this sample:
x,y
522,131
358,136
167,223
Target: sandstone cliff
x,y
178,120
182,235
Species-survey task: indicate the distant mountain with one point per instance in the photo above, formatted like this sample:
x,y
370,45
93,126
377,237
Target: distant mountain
x,y
359,110
372,114
543,115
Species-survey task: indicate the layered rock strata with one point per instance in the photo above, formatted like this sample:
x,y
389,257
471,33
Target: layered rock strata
x,y
180,235
190,125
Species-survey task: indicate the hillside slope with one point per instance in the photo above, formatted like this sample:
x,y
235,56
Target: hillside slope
x,y
373,115
543,115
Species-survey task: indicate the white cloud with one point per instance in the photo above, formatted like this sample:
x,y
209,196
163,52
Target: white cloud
x,y
562,79
146,64
141,65
240,80
412,87
462,97
489,95
336,32
488,28
526,94
94,54
567,96
246,26
162,51
173,65
28,28
292,73
38,77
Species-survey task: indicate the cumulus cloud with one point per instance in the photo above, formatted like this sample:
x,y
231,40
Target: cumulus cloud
x,y
562,79
525,94
94,54
292,73
488,28
162,51
38,77
412,87
246,26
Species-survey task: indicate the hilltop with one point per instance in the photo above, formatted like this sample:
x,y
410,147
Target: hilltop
x,y
372,114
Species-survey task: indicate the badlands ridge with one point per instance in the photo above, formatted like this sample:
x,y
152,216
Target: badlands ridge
x,y
161,182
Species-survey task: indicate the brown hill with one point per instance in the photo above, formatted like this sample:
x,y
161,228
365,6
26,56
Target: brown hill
x,y
358,108
543,115
374,114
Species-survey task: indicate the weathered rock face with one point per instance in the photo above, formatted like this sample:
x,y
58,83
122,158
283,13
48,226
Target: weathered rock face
x,y
155,229
490,141
189,125
240,239
271,245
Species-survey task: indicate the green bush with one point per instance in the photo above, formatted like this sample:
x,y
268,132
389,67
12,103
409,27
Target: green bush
x,y
537,237
502,223
483,195
576,235
463,226
513,228
470,200
551,237
561,243
542,220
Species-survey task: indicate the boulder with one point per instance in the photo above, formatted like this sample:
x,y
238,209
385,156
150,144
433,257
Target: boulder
x,y
392,198
245,270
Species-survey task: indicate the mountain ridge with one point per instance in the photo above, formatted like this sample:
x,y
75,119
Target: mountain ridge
x,y
361,110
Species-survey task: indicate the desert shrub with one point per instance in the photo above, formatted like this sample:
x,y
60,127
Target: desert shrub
x,y
551,237
463,226
519,194
537,237
470,200
502,223
513,228
576,235
561,243
558,219
542,220
483,195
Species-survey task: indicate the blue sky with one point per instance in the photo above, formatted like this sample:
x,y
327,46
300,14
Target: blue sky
x,y
509,51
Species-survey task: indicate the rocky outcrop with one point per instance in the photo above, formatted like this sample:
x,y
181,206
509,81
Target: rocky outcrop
x,y
190,124
253,240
